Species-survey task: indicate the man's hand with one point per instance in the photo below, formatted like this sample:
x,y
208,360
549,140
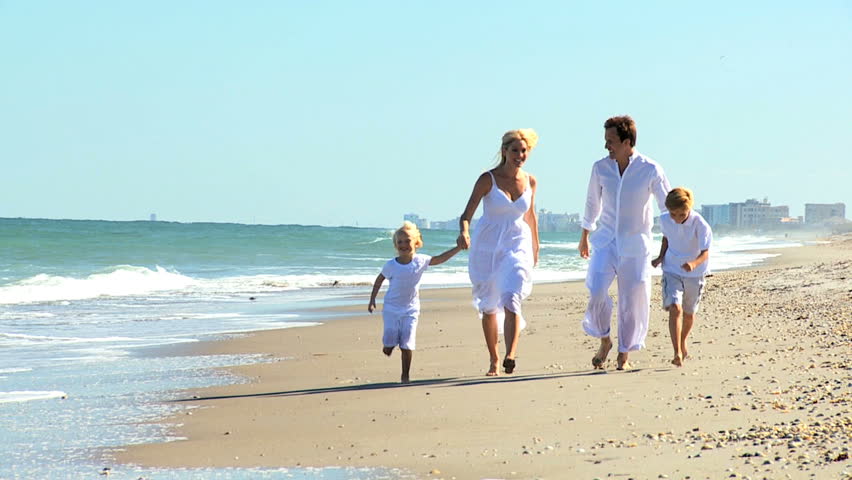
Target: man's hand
x,y
584,247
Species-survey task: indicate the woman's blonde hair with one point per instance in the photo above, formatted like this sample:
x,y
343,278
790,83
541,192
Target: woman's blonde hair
x,y
678,198
528,135
412,231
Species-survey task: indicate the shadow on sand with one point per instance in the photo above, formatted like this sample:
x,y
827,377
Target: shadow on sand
x,y
435,382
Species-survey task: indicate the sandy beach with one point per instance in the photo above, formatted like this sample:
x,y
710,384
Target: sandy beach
x,y
766,392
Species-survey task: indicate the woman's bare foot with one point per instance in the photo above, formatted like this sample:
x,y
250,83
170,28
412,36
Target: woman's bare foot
x,y
387,351
509,365
492,371
684,354
599,359
677,361
623,364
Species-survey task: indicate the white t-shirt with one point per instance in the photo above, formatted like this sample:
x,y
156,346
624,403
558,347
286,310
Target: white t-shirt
x,y
686,241
403,295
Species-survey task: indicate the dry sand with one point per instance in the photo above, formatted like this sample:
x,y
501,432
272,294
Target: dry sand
x,y
766,393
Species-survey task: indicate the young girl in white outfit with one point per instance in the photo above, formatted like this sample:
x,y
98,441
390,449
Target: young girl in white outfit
x,y
684,254
401,306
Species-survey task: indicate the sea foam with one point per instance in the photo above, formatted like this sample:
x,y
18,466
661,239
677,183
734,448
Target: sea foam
x,y
26,396
120,281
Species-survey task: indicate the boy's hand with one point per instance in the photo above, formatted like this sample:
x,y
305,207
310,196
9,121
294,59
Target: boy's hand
x,y
656,262
688,266
371,306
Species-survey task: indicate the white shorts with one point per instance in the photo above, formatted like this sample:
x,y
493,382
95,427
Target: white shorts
x,y
400,329
683,291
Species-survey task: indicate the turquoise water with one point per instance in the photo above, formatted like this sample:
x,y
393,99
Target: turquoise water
x,y
82,302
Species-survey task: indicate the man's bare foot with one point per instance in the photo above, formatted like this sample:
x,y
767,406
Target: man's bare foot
x,y
387,351
623,364
677,361
404,379
599,359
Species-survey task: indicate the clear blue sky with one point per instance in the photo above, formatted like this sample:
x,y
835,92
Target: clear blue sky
x,y
337,112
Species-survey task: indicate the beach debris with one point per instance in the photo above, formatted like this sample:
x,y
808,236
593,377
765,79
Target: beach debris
x,y
106,471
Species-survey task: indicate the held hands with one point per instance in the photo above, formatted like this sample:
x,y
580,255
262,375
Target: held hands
x,y
463,241
656,262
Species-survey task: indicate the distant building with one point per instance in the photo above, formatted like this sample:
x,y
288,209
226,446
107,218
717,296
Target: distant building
x,y
153,217
716,214
452,224
558,222
753,213
823,212
422,223
547,222
445,225
749,214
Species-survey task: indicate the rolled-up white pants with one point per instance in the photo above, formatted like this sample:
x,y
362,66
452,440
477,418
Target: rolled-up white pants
x,y
634,297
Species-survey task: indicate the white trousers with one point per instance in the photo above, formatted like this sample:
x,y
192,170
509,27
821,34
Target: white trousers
x,y
634,297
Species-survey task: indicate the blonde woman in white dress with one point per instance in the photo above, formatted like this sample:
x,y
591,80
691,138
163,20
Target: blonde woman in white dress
x,y
504,245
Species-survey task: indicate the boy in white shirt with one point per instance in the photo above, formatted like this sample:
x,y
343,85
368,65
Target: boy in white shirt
x,y
684,253
401,307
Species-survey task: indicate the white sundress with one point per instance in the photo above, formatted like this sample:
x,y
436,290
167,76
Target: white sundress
x,y
500,259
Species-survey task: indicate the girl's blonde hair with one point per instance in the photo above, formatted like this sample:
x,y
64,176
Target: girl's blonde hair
x,y
678,198
412,231
528,135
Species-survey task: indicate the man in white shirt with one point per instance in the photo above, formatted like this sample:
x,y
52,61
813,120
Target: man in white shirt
x,y
619,211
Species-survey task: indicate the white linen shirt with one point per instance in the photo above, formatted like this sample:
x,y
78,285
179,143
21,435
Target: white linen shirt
x,y
686,240
618,207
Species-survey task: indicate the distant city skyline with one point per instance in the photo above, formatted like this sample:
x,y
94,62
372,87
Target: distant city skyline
x,y
745,213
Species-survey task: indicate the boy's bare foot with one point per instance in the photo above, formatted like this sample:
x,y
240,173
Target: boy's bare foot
x,y
387,351
677,361
599,359
623,364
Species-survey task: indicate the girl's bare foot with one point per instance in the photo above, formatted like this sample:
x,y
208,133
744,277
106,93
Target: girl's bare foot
x,y
599,359
387,351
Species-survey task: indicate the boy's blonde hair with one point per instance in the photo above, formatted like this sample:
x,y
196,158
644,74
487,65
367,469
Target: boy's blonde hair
x,y
679,197
412,231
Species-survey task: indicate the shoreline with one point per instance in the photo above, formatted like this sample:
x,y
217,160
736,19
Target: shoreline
x,y
332,399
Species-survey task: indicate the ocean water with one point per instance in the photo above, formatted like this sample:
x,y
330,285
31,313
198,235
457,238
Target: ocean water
x,y
83,304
